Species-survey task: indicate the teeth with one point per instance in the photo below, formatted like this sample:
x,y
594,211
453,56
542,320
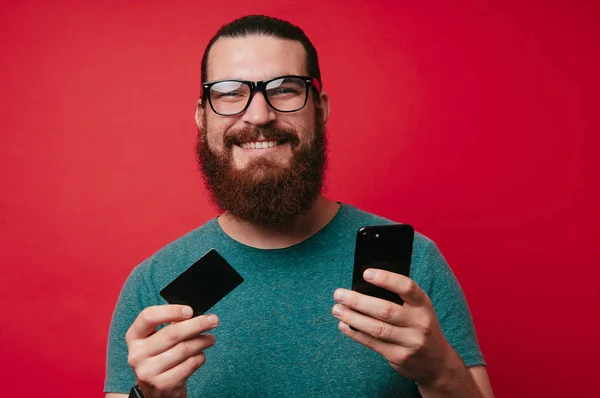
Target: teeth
x,y
259,145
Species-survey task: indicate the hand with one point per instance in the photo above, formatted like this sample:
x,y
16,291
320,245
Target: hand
x,y
163,360
408,336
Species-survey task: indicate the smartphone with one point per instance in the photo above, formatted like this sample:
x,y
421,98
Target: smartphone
x,y
387,247
203,284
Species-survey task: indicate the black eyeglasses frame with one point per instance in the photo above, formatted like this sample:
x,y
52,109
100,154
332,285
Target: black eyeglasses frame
x,y
262,87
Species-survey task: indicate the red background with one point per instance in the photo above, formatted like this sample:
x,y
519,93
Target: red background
x,y
474,121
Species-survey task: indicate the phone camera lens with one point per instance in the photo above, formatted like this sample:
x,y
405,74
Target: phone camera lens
x,y
377,235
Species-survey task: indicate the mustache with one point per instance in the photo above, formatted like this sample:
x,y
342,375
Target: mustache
x,y
270,133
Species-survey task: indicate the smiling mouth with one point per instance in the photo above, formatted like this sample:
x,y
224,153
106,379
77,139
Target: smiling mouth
x,y
261,144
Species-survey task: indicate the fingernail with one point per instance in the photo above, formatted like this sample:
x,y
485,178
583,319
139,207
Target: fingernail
x,y
337,310
213,319
340,295
212,337
342,326
369,274
187,311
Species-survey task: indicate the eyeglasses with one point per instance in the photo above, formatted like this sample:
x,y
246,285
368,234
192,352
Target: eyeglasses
x,y
283,93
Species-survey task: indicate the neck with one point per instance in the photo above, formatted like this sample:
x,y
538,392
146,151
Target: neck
x,y
320,214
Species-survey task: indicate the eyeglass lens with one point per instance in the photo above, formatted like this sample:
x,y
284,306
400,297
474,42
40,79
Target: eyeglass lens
x,y
286,94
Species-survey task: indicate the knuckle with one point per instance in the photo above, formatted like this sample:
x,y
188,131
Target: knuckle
x,y
419,341
134,356
128,337
384,277
355,300
388,332
146,314
186,350
387,311
411,287
399,356
377,330
426,330
425,326
172,335
132,360
143,374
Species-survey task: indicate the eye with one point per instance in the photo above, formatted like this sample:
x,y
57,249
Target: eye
x,y
229,90
283,91
286,87
231,94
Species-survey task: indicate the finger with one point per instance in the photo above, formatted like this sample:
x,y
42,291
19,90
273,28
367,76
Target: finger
x,y
151,317
373,306
173,334
178,374
408,289
178,354
389,351
374,327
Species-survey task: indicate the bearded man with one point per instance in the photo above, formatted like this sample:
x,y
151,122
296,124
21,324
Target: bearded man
x,y
262,150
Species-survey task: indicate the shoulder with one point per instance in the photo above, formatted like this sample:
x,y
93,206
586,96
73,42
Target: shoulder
x,y
427,261
360,218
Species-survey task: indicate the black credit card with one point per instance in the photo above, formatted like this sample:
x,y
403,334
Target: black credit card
x,y
203,284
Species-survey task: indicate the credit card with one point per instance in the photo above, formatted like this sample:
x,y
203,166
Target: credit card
x,y
203,284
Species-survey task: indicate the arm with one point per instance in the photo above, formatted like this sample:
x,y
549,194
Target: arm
x,y
479,374
464,382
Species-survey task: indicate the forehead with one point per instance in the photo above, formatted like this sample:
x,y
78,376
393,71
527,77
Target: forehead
x,y
255,58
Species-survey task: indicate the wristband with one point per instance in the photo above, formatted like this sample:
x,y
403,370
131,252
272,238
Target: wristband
x,y
136,392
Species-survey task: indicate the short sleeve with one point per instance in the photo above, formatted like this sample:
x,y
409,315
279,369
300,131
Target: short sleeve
x,y
132,300
450,305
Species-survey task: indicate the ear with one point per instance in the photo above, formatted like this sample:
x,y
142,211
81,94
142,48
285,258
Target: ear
x,y
199,113
324,105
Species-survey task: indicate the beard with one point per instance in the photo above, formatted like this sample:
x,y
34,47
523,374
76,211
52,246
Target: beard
x,y
265,193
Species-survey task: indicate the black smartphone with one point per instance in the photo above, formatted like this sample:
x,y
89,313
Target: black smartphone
x,y
203,284
387,247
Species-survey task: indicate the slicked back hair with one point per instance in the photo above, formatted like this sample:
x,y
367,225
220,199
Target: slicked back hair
x,y
266,26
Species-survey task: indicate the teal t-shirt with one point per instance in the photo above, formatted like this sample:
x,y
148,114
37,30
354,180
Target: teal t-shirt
x,y
277,336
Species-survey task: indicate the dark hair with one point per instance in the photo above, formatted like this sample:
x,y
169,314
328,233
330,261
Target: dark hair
x,y
267,26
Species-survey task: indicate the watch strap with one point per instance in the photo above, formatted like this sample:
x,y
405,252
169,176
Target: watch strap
x,y
135,392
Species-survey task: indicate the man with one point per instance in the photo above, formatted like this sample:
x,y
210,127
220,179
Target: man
x,y
261,147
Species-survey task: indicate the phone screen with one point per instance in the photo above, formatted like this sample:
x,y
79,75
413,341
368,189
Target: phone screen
x,y
387,247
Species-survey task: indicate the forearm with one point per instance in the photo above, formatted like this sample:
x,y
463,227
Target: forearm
x,y
456,381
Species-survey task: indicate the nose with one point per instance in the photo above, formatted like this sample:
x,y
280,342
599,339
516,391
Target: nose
x,y
258,113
